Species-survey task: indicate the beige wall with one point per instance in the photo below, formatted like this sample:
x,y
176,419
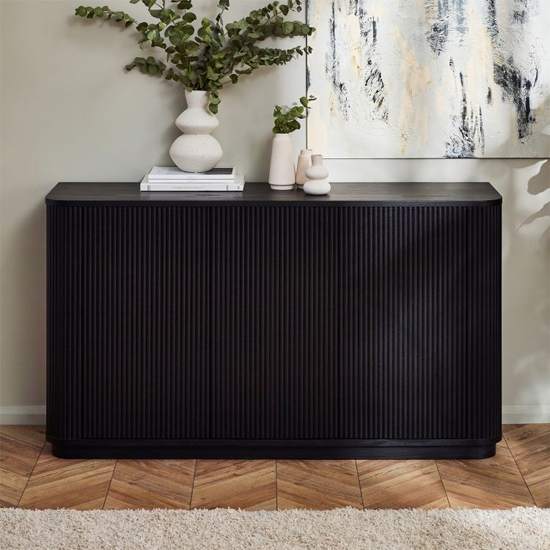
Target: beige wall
x,y
68,112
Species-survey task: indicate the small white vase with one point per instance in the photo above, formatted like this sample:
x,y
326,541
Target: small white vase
x,y
317,171
281,169
316,187
304,162
196,150
316,183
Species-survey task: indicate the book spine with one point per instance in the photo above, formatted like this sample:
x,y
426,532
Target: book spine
x,y
192,187
162,179
191,182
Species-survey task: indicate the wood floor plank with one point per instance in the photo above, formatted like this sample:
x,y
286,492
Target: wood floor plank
x,y
491,483
399,484
244,484
530,447
148,484
317,484
62,483
499,482
20,447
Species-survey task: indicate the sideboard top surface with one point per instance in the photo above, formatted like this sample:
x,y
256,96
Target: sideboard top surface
x,y
260,194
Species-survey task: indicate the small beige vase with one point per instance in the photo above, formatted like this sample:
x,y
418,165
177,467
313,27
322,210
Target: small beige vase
x,y
304,162
196,150
281,169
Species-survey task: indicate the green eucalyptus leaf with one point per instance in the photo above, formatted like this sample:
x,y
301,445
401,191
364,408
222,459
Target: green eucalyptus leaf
x,y
287,28
176,38
189,17
191,47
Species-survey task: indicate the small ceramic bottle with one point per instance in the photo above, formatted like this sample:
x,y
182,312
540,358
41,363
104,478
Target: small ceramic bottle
x,y
281,169
304,162
316,183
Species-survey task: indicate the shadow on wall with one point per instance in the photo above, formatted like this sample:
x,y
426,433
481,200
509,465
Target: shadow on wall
x,y
540,183
525,261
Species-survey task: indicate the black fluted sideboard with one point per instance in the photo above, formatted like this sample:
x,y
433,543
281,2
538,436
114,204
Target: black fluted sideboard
x,y
366,323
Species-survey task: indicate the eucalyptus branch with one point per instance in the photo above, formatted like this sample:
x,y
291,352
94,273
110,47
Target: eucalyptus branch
x,y
150,66
106,13
208,55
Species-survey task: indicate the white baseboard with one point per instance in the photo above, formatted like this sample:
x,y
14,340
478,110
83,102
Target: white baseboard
x,y
525,414
23,416
511,414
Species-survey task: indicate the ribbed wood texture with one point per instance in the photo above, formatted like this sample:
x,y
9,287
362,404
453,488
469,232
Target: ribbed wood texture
x,y
278,322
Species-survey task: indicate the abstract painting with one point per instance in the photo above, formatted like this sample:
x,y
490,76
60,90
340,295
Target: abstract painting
x,y
429,78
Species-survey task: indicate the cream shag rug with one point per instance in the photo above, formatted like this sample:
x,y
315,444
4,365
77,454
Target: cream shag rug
x,y
520,528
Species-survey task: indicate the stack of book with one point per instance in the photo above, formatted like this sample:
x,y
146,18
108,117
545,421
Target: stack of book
x,y
170,178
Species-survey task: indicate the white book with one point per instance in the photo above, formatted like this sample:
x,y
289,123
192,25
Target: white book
x,y
213,180
237,185
172,173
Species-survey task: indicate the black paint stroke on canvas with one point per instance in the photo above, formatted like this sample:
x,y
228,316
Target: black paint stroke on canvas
x,y
373,82
332,66
375,89
469,133
516,86
444,17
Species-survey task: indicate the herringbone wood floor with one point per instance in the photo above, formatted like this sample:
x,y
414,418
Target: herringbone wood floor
x,y
519,475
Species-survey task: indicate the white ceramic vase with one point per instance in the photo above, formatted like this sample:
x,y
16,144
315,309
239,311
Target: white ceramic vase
x,y
281,169
304,162
196,150
316,175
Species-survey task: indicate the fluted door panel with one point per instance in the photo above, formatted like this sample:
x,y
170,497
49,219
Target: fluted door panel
x,y
273,322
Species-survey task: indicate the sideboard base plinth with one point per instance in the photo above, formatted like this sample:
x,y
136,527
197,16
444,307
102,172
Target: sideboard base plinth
x,y
295,449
